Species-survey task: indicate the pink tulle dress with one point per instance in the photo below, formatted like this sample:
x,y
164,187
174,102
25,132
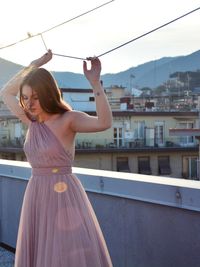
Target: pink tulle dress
x,y
58,227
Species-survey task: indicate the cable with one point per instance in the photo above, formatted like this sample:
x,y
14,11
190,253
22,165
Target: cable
x,y
32,36
155,29
59,54
109,51
20,41
89,11
81,58
44,42
132,40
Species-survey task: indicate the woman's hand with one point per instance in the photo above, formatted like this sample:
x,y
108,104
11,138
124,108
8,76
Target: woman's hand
x,y
82,122
92,74
42,60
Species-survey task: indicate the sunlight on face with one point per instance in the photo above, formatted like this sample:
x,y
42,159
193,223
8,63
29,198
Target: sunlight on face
x,y
60,187
31,101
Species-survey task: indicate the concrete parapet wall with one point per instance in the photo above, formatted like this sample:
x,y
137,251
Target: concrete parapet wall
x,y
147,221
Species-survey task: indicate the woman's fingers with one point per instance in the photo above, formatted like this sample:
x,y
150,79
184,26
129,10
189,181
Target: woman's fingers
x,y
92,73
48,56
95,62
43,59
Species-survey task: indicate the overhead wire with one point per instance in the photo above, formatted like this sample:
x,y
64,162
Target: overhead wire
x,y
108,51
134,39
60,55
149,32
76,17
20,41
58,25
43,41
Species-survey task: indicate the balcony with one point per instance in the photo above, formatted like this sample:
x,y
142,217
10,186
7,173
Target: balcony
x,y
147,221
135,144
4,112
106,145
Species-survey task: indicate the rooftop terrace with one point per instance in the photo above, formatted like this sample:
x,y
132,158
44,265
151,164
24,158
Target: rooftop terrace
x,y
147,221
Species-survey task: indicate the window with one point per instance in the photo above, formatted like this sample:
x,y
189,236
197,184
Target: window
x,y
164,165
91,98
186,140
118,136
122,164
9,156
190,168
144,165
159,133
139,130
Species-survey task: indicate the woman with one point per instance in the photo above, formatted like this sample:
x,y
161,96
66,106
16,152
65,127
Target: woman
x,y
58,227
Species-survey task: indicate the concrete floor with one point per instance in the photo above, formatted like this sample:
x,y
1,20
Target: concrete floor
x,y
6,258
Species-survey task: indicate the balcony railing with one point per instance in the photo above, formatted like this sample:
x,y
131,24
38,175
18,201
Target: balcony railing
x,y
147,221
173,142
135,143
5,112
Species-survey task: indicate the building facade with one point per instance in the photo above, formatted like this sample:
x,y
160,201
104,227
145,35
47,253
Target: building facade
x,y
139,140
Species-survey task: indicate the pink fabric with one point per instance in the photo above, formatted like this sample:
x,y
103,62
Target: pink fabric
x,y
58,227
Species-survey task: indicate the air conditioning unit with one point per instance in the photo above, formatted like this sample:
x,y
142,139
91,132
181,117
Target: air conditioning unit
x,y
123,106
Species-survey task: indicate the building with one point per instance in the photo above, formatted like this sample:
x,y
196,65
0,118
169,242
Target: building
x,y
138,142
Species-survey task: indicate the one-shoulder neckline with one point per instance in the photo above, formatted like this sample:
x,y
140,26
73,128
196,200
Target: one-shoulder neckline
x,y
56,138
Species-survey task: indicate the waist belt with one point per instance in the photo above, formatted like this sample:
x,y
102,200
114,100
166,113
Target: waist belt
x,y
52,170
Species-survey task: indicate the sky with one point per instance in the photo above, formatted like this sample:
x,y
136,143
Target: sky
x,y
99,31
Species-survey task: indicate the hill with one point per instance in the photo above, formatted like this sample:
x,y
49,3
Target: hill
x,y
150,74
7,70
154,73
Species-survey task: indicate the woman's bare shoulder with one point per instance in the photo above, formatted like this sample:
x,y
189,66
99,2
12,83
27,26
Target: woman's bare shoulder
x,y
68,118
71,114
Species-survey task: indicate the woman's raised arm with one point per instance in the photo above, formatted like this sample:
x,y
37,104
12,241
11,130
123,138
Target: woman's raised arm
x,y
10,91
80,121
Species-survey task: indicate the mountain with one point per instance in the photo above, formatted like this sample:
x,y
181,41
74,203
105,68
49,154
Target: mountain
x,y
150,74
7,70
70,80
154,73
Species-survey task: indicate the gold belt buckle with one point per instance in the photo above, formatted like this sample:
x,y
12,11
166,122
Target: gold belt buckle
x,y
55,170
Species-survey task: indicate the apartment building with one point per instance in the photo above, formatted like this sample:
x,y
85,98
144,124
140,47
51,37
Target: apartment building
x,y
139,141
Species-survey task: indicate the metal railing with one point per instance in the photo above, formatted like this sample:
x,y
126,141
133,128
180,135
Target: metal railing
x,y
172,142
134,143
